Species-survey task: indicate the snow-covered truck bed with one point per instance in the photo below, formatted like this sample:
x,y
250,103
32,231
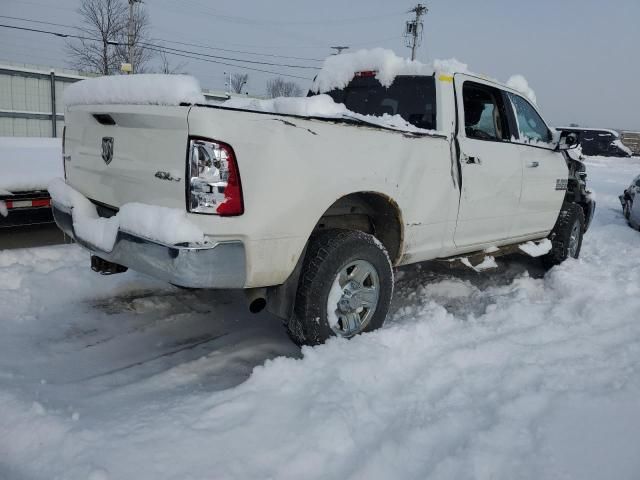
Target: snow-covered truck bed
x,y
309,203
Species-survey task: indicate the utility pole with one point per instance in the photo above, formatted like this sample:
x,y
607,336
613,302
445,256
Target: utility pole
x,y
414,28
130,34
227,83
338,50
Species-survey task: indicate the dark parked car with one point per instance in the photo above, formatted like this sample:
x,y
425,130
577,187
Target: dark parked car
x,y
25,208
601,142
631,205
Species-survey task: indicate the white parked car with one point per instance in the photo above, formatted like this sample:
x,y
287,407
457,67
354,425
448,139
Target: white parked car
x,y
311,210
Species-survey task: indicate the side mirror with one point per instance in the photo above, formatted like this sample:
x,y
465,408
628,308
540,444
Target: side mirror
x,y
568,140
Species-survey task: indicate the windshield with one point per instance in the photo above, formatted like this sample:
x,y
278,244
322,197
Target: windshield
x,y
411,97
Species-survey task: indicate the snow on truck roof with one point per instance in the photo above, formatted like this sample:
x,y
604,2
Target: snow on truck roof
x,y
336,73
139,89
338,70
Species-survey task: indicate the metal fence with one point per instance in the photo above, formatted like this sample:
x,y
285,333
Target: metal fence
x,y
632,140
31,100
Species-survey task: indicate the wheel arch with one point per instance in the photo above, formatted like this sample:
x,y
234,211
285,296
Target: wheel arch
x,y
368,211
371,212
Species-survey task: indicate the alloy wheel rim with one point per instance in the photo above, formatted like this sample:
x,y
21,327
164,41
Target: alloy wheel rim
x,y
353,298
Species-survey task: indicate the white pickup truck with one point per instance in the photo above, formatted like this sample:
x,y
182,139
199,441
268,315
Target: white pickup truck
x,y
310,213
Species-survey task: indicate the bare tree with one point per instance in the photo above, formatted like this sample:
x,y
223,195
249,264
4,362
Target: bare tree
x,y
166,67
238,80
278,87
102,24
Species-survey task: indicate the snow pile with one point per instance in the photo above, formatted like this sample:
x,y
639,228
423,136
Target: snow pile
x,y
514,373
618,143
315,106
29,163
450,66
166,225
487,263
520,84
139,89
338,70
536,249
322,106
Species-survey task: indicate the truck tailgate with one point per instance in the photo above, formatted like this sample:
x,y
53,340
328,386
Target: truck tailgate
x,y
116,154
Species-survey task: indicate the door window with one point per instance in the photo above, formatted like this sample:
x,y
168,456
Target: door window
x,y
484,117
530,125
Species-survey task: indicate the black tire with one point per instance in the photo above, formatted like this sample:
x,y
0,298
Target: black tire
x,y
329,253
626,210
571,217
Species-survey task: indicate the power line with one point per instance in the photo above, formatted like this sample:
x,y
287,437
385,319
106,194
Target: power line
x,y
240,51
37,21
169,49
261,21
229,64
160,48
172,41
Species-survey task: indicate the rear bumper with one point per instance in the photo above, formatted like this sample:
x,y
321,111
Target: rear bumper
x,y
219,265
26,216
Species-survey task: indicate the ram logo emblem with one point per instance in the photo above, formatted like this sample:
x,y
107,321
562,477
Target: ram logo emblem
x,y
107,149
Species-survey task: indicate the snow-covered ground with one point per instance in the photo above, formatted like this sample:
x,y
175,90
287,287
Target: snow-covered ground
x,y
504,374
29,163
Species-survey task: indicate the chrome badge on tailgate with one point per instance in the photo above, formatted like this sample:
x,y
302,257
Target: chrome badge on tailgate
x,y
107,149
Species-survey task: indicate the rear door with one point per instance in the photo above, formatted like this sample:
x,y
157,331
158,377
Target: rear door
x,y
544,171
490,165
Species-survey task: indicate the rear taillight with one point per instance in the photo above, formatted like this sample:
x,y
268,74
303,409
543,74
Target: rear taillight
x,y
64,156
214,180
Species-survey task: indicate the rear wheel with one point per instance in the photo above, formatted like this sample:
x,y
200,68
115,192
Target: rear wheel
x,y
566,236
345,287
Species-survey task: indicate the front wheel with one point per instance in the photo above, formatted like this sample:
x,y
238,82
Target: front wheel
x,y
566,236
345,287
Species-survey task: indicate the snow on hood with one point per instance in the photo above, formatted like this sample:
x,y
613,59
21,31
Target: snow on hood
x,y
138,89
520,84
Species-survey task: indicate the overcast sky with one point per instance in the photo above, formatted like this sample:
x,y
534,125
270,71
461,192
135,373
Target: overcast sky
x,y
582,57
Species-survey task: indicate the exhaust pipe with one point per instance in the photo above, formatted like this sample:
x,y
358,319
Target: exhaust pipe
x,y
104,267
257,298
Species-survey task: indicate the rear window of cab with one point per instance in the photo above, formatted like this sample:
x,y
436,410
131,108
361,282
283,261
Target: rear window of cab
x,y
411,97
